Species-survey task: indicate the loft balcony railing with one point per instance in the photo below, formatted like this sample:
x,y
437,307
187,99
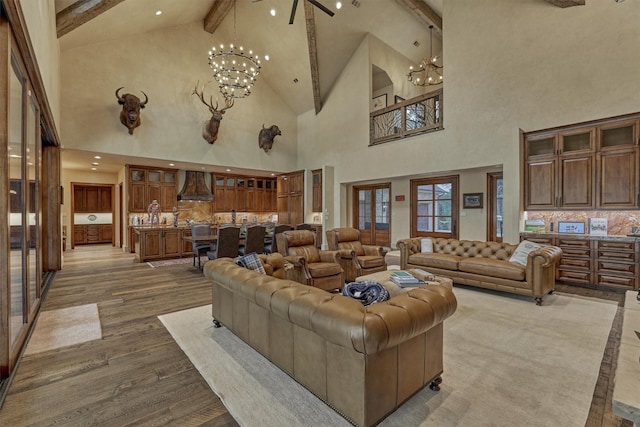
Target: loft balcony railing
x,y
408,118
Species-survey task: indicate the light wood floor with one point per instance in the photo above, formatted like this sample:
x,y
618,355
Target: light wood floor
x,y
137,375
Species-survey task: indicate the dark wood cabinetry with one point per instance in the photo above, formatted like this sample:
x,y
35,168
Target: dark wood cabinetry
x,y
154,243
290,203
92,198
588,260
92,233
594,166
316,204
147,185
244,193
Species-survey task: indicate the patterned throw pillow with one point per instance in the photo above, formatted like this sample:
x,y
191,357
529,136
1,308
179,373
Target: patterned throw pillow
x,y
252,262
522,252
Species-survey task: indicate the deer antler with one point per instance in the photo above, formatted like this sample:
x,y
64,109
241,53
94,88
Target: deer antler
x,y
201,96
228,102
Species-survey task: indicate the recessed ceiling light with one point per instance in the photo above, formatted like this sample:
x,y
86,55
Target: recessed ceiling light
x,y
95,164
228,170
172,164
266,57
97,157
94,169
338,5
272,12
273,174
158,12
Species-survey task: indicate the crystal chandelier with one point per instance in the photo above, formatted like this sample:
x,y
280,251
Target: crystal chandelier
x,y
234,69
429,72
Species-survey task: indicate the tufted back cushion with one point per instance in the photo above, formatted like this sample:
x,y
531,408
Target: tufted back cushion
x,y
474,248
349,238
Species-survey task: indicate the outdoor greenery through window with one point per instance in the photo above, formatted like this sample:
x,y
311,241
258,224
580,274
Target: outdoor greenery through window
x,y
434,208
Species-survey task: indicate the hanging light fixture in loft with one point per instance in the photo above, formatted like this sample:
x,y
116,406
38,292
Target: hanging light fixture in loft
x,y
234,69
429,72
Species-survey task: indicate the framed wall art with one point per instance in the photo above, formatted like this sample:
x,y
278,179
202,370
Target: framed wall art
x,y
380,101
472,201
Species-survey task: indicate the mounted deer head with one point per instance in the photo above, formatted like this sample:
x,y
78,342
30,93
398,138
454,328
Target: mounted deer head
x,y
211,126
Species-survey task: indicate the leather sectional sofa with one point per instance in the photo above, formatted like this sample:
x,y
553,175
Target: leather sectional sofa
x,y
484,264
364,362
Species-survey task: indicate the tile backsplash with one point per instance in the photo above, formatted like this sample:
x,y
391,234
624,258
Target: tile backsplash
x,y
619,222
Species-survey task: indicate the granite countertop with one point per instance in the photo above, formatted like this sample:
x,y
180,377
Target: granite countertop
x,y
611,237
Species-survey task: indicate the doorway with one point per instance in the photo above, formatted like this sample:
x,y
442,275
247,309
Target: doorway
x,y
495,203
92,214
372,213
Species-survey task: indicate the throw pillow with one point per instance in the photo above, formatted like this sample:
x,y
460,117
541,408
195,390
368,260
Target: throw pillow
x,y
426,246
522,252
252,262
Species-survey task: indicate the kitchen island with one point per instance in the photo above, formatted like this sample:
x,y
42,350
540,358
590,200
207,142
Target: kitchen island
x,y
153,243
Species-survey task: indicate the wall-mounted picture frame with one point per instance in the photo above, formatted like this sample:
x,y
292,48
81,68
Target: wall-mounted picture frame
x,y
379,101
472,200
571,227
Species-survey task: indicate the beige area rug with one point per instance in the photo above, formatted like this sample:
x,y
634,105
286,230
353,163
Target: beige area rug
x,y
65,327
507,362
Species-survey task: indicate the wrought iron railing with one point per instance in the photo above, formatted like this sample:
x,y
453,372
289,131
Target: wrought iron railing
x,y
408,118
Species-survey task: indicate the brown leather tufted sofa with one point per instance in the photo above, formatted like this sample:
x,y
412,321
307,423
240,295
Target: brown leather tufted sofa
x,y
364,362
484,264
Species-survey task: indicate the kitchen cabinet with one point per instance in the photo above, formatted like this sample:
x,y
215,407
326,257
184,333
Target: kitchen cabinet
x,y
601,260
244,193
290,202
148,184
84,234
158,243
593,166
316,176
92,198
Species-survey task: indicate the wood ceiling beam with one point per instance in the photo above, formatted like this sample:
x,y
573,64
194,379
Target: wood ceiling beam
x,y
566,3
313,54
216,14
80,12
423,12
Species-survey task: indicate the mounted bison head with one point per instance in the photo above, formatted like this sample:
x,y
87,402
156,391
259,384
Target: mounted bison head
x,y
266,135
131,105
211,126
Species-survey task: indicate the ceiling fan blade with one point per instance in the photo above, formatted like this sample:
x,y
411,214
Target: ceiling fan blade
x,y
321,7
293,11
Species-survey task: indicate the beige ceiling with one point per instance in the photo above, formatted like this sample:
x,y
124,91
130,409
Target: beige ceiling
x,y
337,37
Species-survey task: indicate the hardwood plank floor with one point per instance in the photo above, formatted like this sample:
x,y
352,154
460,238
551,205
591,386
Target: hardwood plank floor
x,y
137,375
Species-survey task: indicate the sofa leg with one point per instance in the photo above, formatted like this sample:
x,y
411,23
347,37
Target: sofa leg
x,y
216,324
435,384
538,300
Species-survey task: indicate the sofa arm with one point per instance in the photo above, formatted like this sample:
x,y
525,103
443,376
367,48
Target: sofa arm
x,y
407,248
541,270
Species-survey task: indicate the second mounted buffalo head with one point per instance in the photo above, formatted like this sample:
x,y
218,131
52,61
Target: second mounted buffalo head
x,y
131,105
211,126
266,135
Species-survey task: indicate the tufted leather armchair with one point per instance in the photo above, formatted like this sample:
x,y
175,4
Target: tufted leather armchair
x,y
355,258
312,267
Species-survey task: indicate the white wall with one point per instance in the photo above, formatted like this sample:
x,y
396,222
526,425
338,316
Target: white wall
x,y
507,67
158,63
40,18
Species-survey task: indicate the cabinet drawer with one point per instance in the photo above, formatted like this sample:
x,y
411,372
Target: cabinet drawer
x,y
616,246
571,243
578,263
619,256
574,276
616,267
541,240
609,279
576,252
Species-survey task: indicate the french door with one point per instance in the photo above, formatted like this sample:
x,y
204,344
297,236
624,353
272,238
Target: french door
x,y
372,213
434,207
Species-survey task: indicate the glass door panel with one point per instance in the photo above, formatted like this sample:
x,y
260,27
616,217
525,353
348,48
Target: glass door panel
x,y
17,259
372,213
495,203
33,196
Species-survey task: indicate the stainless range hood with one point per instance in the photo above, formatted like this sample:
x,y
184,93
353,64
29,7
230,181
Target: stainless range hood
x,y
195,188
